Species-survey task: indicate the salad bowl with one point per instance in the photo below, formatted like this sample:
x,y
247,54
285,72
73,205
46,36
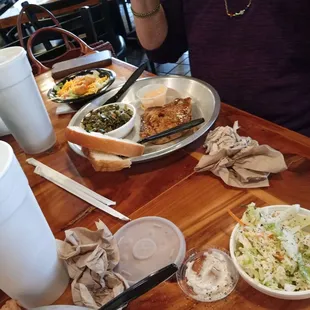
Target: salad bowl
x,y
277,293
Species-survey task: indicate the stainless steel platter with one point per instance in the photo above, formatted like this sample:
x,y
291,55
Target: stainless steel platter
x,y
60,307
205,100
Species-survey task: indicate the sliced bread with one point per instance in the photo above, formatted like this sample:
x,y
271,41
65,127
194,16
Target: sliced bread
x,y
107,162
104,143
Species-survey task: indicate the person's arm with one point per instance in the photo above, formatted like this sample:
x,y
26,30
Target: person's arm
x,y
152,30
163,35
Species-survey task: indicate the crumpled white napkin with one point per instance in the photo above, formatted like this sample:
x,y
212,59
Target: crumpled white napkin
x,y
64,108
90,257
239,161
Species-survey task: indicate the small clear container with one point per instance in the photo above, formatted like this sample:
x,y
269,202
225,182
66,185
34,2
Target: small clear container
x,y
207,275
153,95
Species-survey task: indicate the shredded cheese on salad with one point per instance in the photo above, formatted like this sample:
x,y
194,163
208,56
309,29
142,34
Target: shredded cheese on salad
x,y
80,86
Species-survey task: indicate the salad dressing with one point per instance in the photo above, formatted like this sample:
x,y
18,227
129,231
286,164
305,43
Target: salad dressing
x,y
212,279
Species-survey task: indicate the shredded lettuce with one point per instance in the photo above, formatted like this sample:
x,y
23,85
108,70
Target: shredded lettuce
x,y
273,248
251,215
58,87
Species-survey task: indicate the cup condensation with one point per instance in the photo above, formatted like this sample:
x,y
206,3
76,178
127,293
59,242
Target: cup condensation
x,y
21,105
30,270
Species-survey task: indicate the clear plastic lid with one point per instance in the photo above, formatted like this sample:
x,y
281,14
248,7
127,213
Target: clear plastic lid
x,y
208,275
147,245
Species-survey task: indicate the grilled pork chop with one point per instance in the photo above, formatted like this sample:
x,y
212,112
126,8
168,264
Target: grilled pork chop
x,y
158,119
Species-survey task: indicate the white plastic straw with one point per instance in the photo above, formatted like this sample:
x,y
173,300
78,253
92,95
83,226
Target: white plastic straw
x,y
82,188
75,188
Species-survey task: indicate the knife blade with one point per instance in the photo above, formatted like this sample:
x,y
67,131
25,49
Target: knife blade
x,y
132,79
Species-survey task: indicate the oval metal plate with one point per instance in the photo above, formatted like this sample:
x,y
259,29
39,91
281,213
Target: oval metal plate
x,y
60,307
206,103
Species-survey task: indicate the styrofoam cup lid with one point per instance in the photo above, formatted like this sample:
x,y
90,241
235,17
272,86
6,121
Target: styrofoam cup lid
x,y
147,245
7,55
14,66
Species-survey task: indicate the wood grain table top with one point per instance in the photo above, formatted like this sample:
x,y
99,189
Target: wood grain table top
x,y
168,187
9,18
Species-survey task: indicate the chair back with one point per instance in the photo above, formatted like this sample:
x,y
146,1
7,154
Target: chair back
x,y
67,47
103,22
116,17
59,5
31,10
72,22
83,48
5,5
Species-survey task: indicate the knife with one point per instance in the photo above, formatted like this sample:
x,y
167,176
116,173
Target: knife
x,y
173,130
129,82
141,287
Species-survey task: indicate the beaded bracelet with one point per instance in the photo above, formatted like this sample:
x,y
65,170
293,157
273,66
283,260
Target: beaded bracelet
x,y
148,14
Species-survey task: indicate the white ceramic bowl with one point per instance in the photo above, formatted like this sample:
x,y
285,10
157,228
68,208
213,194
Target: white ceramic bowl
x,y
124,130
262,288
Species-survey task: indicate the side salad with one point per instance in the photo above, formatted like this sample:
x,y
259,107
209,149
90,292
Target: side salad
x,y
274,249
81,85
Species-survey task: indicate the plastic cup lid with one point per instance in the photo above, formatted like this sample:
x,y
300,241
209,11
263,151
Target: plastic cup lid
x,y
208,275
9,54
14,67
147,245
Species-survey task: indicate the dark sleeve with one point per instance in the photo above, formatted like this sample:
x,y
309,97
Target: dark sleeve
x,y
175,43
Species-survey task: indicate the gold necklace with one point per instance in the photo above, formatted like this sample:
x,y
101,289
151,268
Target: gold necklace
x,y
241,12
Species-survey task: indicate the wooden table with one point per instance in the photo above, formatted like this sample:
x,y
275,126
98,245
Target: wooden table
x,y
196,203
9,18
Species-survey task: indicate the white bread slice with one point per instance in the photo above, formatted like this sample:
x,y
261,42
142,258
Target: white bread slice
x,y
104,143
107,162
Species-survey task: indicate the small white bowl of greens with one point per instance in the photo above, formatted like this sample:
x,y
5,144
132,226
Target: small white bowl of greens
x,y
270,248
114,119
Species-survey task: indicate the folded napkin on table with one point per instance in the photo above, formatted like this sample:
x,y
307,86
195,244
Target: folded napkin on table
x,y
239,161
90,257
64,108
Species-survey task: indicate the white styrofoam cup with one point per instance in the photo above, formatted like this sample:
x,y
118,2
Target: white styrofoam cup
x,y
21,106
30,270
3,129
